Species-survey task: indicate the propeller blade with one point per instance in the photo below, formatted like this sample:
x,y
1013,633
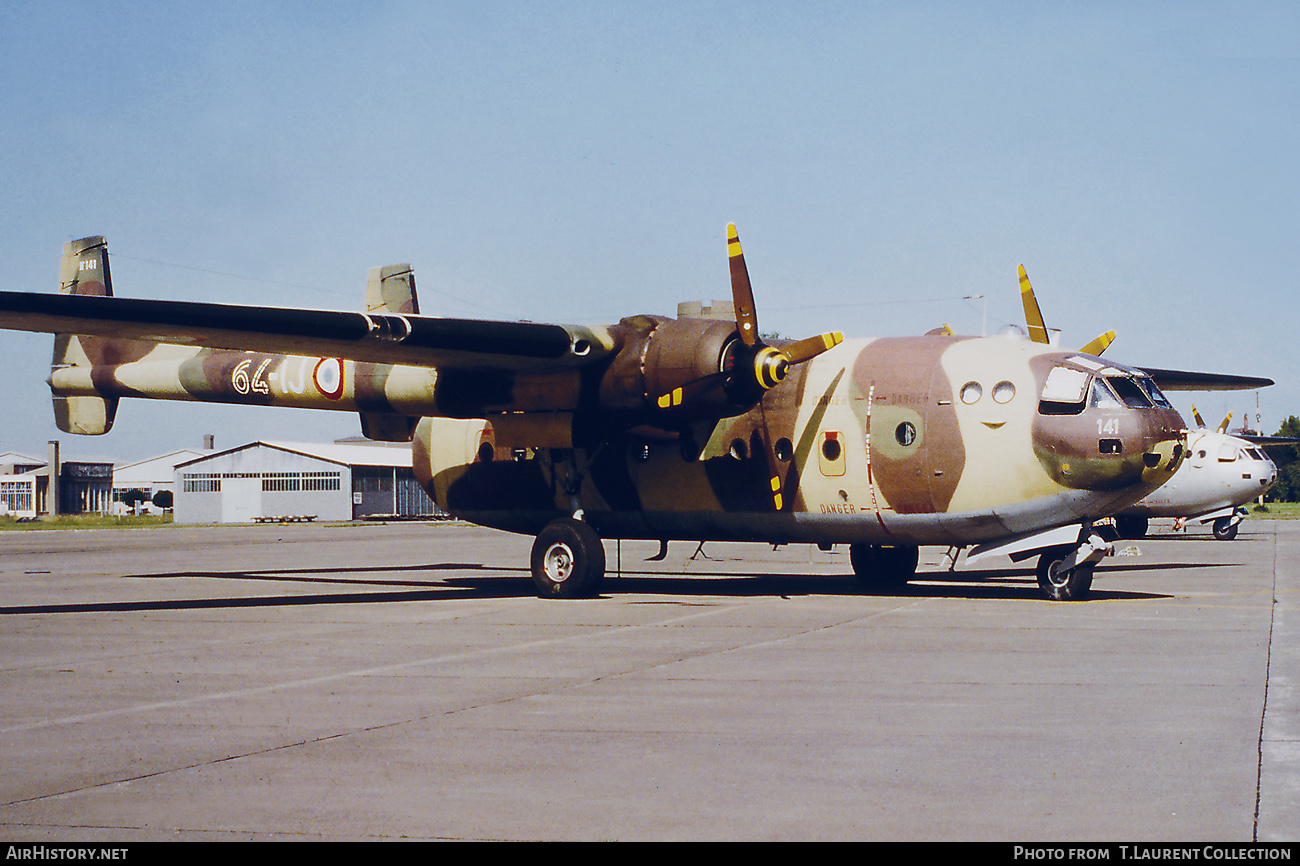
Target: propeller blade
x,y
753,367
775,483
1033,315
1098,344
1196,416
742,294
1223,427
810,347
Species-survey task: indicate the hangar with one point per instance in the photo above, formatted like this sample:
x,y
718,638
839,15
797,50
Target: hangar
x,y
300,481
148,478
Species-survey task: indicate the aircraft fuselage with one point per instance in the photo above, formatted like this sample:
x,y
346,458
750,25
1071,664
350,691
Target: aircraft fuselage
x,y
912,440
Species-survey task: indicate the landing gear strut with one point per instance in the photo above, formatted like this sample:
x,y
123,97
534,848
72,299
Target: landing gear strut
x,y
1065,572
1060,580
1225,528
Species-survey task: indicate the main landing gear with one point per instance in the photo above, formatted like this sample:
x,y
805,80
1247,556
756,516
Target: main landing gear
x,y
568,560
881,567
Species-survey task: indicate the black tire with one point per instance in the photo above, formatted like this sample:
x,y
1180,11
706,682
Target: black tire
x,y
568,560
1225,529
1071,585
1131,527
878,566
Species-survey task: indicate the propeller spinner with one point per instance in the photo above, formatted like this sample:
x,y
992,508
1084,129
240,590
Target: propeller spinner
x,y
749,367
768,364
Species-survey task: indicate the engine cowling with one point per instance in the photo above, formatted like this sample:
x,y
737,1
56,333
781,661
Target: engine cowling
x,y
443,449
661,357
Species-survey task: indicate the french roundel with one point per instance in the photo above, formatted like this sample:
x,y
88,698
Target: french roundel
x,y
328,377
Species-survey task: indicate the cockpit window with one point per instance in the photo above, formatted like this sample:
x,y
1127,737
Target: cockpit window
x,y
1065,385
1149,386
1102,397
1133,396
1063,392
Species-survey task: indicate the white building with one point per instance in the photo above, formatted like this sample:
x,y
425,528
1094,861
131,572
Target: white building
x,y
18,487
150,477
81,486
294,480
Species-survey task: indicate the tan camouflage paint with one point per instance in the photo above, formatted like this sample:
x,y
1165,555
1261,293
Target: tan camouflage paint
x,y
869,440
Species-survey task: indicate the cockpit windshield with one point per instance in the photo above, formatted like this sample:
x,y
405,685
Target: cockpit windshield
x,y
1068,391
1149,386
1102,397
1129,391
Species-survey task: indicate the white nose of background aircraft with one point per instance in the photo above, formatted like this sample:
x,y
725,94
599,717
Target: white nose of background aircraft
x,y
1221,474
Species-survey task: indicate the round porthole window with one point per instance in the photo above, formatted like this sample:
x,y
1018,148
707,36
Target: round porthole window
x,y
831,449
970,392
905,433
1003,392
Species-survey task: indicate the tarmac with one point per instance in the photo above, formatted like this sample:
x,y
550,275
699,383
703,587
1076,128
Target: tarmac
x,y
403,682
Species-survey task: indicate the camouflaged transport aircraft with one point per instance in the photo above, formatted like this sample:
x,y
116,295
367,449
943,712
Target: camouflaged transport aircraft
x,y
1220,474
662,428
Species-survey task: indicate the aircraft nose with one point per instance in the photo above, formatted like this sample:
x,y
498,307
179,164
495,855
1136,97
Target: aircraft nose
x,y
1110,450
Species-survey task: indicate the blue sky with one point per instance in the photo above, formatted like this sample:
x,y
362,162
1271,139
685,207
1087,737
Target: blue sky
x,y
579,162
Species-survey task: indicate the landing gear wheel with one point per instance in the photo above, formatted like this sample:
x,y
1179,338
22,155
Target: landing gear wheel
x,y
568,560
878,566
1060,584
1131,527
1225,529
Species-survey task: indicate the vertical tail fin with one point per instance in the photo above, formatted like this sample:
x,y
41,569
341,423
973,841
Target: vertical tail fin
x,y
84,271
390,290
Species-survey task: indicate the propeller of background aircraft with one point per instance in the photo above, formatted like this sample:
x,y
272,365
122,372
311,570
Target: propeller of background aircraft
x,y
1200,422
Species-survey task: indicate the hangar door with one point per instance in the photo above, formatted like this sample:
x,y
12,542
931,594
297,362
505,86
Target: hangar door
x,y
241,499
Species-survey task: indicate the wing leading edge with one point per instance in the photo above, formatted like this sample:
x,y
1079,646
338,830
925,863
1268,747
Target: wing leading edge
x,y
1184,380
382,338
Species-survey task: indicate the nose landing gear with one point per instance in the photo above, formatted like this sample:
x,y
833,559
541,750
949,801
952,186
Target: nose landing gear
x,y
1065,573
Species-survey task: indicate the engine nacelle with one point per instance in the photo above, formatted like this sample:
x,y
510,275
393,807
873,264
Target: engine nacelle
x,y
660,356
443,449
488,470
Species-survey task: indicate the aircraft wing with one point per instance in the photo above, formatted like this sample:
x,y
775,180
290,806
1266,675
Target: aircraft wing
x,y
1183,380
382,338
1267,441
